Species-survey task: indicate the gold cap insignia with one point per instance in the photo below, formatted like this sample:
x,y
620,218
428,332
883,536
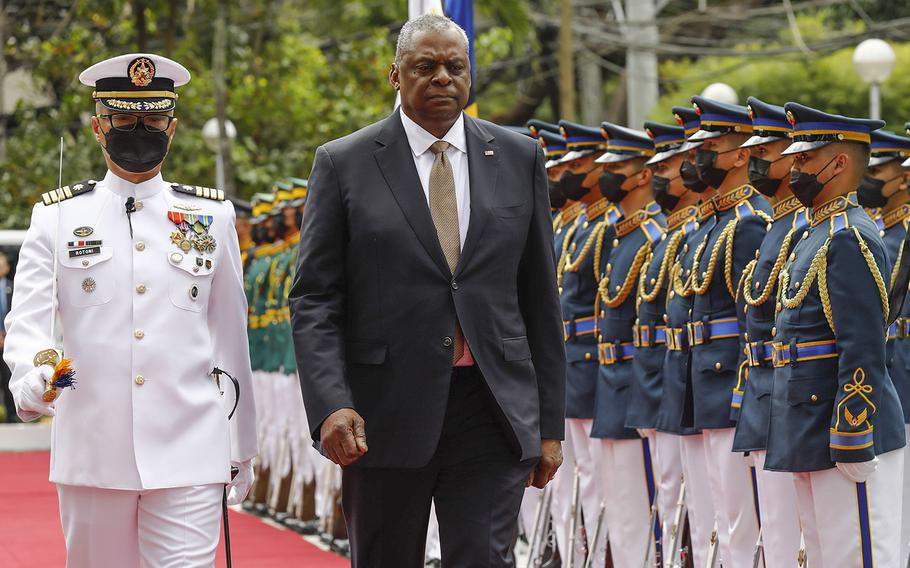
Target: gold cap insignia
x,y
142,71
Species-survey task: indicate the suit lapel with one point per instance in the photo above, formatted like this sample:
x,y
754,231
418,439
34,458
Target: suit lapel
x,y
396,161
483,168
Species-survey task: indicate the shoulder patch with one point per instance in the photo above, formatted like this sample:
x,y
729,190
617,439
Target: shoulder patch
x,y
199,191
67,192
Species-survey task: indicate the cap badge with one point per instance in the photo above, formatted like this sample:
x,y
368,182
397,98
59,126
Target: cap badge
x,y
697,109
83,231
751,112
790,118
679,120
650,133
142,71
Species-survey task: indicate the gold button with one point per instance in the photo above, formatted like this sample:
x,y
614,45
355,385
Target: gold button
x,y
653,281
813,398
779,306
560,289
84,263
609,268
697,225
573,247
615,243
746,337
139,334
140,380
796,285
600,338
672,294
603,313
805,235
140,246
792,256
773,331
756,253
757,284
881,233
663,237
666,318
584,225
618,287
587,356
140,289
686,248
139,206
768,227
717,365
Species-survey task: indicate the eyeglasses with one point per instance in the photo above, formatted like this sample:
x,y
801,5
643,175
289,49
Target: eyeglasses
x,y
127,122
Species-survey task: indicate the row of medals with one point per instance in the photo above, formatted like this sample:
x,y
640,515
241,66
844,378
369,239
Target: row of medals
x,y
189,235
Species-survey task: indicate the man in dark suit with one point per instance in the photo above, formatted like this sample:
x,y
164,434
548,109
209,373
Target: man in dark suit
x,y
6,293
426,318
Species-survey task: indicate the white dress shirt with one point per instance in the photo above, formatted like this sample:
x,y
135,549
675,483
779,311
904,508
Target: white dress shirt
x,y
420,141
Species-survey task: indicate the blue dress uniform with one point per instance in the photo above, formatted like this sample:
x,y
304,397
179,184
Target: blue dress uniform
x,y
649,334
715,339
577,281
751,403
833,400
627,475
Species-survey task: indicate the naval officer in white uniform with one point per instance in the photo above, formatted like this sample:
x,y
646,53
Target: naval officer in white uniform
x,y
150,301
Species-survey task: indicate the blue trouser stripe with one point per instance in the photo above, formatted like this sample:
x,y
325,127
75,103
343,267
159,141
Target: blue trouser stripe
x,y
649,481
755,495
865,531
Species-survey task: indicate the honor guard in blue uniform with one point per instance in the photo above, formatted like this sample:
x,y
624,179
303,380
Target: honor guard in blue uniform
x,y
627,479
698,499
649,336
554,146
577,278
884,188
833,403
717,319
769,173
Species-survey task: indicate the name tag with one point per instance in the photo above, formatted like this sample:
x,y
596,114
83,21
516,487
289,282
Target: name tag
x,y
84,252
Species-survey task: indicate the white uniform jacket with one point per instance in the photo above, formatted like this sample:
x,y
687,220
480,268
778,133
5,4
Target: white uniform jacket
x,y
144,323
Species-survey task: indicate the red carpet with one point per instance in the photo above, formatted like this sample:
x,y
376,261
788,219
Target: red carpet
x,y
30,535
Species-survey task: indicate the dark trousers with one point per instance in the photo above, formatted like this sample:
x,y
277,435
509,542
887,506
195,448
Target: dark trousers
x,y
475,479
8,403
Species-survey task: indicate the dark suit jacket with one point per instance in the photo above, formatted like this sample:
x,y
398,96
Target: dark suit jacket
x,y
374,304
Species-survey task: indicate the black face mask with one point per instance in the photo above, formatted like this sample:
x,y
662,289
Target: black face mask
x,y
611,186
705,161
869,193
138,150
259,234
660,189
557,199
690,178
806,187
570,184
758,176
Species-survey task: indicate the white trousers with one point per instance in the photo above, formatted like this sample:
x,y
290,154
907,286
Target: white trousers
x,y
730,478
855,523
668,474
159,528
779,517
585,454
905,512
627,484
699,503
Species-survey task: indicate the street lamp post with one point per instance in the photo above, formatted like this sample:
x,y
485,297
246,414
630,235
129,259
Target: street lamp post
x,y
873,60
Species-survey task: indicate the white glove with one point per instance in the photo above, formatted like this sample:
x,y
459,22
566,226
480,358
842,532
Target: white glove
x,y
242,482
858,472
31,392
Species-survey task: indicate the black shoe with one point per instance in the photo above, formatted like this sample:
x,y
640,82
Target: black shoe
x,y
307,528
342,547
434,563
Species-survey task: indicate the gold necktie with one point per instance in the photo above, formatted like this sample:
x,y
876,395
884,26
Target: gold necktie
x,y
444,210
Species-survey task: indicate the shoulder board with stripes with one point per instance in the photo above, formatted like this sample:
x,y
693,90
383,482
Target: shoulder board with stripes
x,y
652,230
67,192
199,191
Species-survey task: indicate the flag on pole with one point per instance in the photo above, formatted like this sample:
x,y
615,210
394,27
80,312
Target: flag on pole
x,y
462,13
